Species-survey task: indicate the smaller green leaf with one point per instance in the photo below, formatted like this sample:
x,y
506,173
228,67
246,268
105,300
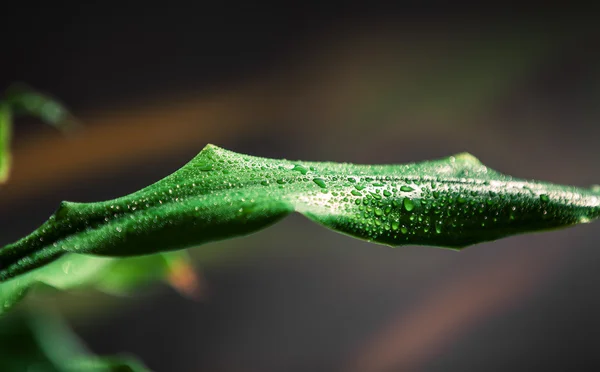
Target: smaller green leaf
x,y
24,100
116,276
72,270
20,99
105,364
42,341
127,274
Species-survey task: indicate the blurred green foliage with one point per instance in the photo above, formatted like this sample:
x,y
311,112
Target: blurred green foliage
x,y
41,341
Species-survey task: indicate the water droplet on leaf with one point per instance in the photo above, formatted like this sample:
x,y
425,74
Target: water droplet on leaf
x,y
409,205
320,182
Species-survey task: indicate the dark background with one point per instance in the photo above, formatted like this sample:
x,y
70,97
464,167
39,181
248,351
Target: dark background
x,y
153,84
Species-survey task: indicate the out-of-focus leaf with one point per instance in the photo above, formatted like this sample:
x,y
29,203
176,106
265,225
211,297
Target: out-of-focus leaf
x,y
105,364
20,99
181,274
42,341
126,274
71,270
116,276
5,134
24,100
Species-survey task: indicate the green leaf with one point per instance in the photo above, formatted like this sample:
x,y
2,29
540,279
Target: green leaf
x,y
24,100
42,341
69,271
117,276
126,274
20,99
453,202
5,135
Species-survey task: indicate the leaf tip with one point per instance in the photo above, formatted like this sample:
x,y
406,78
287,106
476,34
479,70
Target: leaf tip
x,y
467,158
63,208
210,150
210,147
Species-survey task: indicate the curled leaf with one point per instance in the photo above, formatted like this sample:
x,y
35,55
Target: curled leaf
x,y
24,100
20,99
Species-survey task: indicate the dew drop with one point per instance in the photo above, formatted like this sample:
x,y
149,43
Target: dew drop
x,y
545,198
320,182
205,167
406,188
408,204
67,267
299,168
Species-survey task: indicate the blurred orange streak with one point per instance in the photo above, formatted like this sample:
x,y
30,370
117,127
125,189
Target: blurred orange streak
x,y
186,280
409,340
